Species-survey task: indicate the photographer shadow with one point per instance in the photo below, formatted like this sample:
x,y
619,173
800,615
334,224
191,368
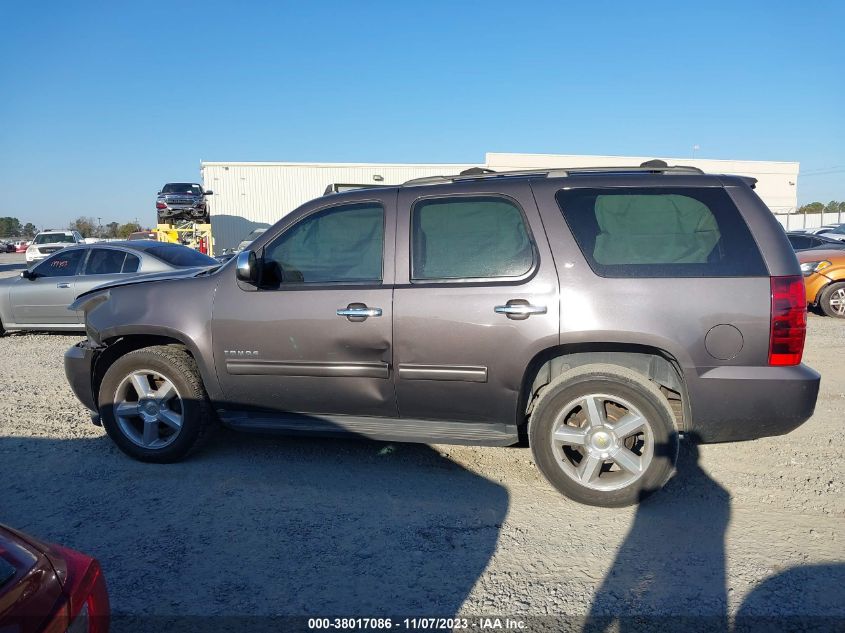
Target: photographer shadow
x,y
677,534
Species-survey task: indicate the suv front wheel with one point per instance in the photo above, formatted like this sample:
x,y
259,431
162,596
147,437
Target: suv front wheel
x,y
153,405
603,435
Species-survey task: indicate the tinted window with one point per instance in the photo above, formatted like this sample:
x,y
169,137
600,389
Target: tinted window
x,y
65,263
181,256
341,244
181,187
465,238
54,238
104,261
131,264
799,241
661,232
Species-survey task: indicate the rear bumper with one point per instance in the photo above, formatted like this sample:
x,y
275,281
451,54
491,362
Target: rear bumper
x,y
730,404
79,369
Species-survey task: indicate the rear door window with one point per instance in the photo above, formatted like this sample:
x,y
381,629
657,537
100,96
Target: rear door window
x,y
469,238
104,261
661,232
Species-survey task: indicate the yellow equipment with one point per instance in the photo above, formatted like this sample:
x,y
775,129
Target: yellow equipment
x,y
191,234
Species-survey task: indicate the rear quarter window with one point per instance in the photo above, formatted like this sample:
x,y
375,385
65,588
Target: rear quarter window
x,y
661,232
181,256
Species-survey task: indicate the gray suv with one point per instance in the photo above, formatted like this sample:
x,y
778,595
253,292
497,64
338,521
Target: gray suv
x,y
598,314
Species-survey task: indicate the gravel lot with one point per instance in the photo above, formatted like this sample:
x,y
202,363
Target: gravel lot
x,y
297,526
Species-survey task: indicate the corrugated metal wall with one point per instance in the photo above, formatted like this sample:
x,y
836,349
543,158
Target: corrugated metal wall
x,y
253,195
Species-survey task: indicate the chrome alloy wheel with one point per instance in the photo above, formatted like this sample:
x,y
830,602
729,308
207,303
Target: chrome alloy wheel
x,y
148,409
837,301
602,442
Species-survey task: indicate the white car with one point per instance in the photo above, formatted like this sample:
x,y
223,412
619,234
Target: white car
x,y
836,233
48,242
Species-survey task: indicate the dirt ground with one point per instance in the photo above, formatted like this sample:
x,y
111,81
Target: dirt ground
x,y
296,526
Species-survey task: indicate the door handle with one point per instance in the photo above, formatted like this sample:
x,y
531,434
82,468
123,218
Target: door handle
x,y
63,285
358,312
519,309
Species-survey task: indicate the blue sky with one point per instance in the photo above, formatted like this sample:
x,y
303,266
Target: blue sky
x,y
102,102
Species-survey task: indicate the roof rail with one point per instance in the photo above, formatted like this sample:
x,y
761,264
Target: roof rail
x,y
340,187
556,172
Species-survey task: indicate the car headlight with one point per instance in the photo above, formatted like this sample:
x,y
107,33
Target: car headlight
x,y
31,249
808,268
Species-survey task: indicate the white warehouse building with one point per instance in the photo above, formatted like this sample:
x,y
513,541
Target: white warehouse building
x,y
250,195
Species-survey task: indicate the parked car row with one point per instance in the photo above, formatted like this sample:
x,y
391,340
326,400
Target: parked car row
x,y
13,246
834,231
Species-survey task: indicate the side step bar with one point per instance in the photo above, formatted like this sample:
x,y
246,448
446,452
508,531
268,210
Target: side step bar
x,y
374,428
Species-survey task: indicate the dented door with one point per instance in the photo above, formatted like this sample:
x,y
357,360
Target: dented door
x,y
314,348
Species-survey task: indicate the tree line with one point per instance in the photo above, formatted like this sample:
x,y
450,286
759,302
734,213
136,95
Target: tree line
x,y
818,207
12,227
88,227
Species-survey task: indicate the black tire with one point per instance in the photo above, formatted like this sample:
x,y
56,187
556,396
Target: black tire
x,y
613,381
831,300
177,366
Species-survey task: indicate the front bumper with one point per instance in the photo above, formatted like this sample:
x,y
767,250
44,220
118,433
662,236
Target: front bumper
x,y
79,369
733,403
814,284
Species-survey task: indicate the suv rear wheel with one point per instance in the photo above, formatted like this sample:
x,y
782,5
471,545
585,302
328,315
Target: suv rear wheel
x,y
832,300
153,404
603,435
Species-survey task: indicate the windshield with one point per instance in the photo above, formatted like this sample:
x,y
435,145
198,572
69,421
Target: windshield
x,y
181,256
52,238
182,187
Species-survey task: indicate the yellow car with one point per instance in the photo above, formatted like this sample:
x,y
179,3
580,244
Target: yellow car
x,y
824,279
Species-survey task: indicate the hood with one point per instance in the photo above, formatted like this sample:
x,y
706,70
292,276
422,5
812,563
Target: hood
x,y
181,273
836,255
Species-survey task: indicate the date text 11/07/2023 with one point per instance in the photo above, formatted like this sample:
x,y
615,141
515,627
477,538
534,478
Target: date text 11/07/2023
x,y
418,623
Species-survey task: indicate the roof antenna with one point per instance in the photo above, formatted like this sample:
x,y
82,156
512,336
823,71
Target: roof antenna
x,y
654,162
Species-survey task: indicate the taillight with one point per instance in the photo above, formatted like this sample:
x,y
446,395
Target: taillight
x,y
788,320
160,205
87,608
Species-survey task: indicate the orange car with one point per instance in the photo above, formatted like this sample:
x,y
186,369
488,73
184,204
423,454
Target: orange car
x,y
824,279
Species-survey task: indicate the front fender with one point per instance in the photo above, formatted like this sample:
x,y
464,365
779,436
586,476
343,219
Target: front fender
x,y
174,309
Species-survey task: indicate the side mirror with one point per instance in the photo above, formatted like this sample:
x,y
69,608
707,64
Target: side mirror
x,y
29,274
208,193
158,193
247,267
